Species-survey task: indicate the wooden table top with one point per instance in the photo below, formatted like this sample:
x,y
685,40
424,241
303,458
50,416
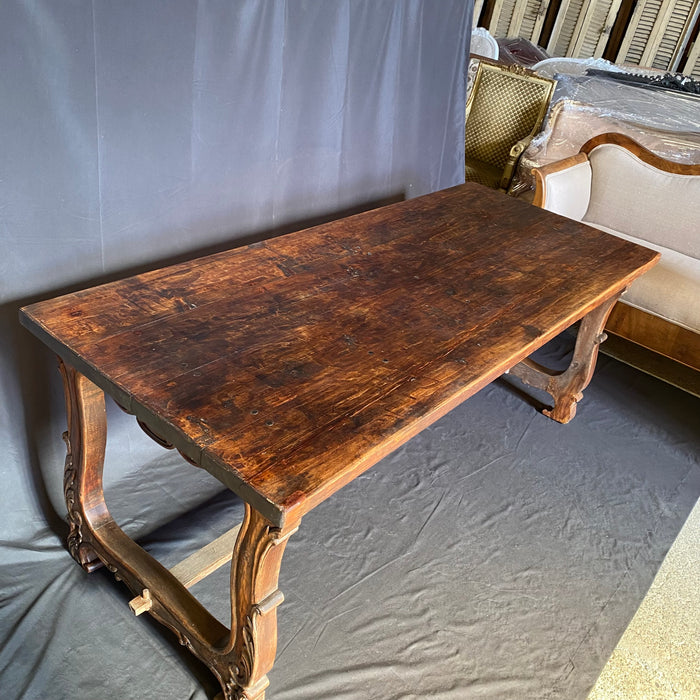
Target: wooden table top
x,y
288,367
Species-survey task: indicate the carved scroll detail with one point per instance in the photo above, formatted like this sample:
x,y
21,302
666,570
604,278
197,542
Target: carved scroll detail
x,y
233,691
75,519
254,601
244,669
78,540
240,663
185,641
84,455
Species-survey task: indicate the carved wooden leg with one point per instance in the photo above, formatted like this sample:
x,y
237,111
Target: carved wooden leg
x,y
241,657
566,388
254,600
82,482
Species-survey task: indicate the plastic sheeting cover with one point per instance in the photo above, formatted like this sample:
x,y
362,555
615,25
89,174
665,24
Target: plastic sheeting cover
x,y
665,122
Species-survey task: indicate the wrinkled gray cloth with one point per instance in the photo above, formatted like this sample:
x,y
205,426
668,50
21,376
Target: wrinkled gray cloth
x,y
496,555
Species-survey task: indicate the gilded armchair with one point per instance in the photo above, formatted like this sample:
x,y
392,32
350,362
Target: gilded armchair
x,y
504,111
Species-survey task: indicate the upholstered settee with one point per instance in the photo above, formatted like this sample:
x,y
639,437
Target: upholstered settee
x,y
617,185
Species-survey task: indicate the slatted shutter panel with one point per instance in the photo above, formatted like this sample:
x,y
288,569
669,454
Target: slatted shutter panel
x,y
658,33
670,36
564,27
595,39
692,66
518,18
683,23
478,7
638,31
500,17
582,28
528,19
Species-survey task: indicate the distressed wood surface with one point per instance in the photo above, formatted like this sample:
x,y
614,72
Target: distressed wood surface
x,y
288,367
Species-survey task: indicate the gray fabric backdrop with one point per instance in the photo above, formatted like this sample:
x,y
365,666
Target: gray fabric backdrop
x,y
497,555
136,131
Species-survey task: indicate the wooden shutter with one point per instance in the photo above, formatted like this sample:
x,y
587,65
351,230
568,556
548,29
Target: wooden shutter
x,y
658,33
478,7
582,28
692,66
518,18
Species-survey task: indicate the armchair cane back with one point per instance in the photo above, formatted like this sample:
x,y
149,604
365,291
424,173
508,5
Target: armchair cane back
x,y
505,110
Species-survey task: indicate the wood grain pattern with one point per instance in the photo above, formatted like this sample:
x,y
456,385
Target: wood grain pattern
x,y
288,367
206,560
85,440
655,333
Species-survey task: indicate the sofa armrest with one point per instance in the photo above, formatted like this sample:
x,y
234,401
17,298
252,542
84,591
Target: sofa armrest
x,y
564,187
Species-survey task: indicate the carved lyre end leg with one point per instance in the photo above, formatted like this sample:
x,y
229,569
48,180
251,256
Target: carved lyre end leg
x,y
241,664
254,600
566,388
85,442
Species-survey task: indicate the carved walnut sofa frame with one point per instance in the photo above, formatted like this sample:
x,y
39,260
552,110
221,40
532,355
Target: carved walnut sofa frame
x,y
632,324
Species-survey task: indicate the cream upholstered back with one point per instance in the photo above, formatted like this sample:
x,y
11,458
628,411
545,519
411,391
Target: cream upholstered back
x,y
620,187
568,191
633,197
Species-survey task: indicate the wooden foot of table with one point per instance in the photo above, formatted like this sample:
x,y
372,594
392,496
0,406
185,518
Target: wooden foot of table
x,y
240,657
566,388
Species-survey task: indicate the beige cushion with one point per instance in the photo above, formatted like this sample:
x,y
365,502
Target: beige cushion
x,y
671,289
567,192
632,197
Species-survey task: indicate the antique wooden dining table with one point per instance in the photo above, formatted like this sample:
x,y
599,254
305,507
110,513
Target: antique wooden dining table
x,y
288,367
